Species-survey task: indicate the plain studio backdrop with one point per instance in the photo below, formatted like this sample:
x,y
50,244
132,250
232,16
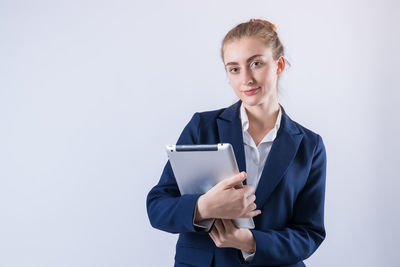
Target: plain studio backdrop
x,y
92,91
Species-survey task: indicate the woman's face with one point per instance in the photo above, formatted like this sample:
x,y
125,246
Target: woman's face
x,y
252,71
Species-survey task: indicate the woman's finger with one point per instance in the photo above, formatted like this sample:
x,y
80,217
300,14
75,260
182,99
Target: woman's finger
x,y
228,224
219,227
251,198
215,236
251,207
248,190
211,234
252,214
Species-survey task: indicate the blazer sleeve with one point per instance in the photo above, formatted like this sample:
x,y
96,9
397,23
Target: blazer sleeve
x,y
306,231
166,208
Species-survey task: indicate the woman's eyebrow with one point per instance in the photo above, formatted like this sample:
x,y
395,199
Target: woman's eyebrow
x,y
249,59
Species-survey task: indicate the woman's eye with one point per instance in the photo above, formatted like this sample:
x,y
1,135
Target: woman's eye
x,y
259,63
233,70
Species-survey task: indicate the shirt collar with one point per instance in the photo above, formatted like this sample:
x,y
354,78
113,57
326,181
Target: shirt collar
x,y
271,134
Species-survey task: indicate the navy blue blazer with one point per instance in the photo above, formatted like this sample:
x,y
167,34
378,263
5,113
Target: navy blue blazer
x,y
290,195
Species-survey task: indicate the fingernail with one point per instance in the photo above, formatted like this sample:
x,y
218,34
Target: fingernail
x,y
242,174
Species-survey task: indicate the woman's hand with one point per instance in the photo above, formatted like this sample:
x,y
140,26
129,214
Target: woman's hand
x,y
227,202
226,234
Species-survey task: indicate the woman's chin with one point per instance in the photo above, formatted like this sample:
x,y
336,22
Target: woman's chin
x,y
250,101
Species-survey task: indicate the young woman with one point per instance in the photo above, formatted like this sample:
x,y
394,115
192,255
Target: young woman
x,y
282,164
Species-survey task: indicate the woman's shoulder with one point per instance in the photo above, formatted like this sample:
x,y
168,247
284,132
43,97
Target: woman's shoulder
x,y
304,130
227,112
209,116
307,133
311,139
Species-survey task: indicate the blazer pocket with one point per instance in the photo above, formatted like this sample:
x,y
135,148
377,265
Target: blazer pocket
x,y
190,256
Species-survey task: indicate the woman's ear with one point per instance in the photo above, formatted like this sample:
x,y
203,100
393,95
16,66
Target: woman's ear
x,y
281,65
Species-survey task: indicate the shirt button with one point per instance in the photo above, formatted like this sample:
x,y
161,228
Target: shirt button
x,y
256,160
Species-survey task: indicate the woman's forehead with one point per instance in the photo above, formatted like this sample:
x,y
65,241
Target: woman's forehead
x,y
245,48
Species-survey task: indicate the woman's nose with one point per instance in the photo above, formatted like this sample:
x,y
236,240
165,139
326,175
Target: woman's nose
x,y
247,77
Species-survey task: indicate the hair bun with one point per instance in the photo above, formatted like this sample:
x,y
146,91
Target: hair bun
x,y
265,22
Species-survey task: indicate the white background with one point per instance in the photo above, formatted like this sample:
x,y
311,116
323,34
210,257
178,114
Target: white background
x,y
92,91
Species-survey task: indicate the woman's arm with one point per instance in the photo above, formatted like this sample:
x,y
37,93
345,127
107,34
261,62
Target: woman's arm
x,y
166,208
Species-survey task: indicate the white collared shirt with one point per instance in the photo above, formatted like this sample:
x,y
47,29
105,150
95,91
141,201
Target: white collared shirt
x,y
255,160
256,155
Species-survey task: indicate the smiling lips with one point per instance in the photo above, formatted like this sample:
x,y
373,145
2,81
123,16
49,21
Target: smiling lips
x,y
251,91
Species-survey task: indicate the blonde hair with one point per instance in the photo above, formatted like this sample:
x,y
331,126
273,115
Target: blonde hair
x,y
261,29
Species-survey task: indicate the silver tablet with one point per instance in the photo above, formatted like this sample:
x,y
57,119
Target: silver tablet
x,y
197,168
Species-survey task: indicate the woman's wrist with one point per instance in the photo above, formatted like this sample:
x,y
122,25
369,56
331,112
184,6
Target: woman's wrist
x,y
248,243
201,209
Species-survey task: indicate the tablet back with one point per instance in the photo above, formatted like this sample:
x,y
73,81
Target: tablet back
x,y
197,168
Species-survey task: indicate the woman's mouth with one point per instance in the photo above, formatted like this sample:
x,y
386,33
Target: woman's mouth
x,y
251,91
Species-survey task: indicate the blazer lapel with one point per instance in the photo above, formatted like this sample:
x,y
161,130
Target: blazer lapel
x,y
282,152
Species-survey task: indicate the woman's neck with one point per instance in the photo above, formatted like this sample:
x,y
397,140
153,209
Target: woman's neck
x,y
262,116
